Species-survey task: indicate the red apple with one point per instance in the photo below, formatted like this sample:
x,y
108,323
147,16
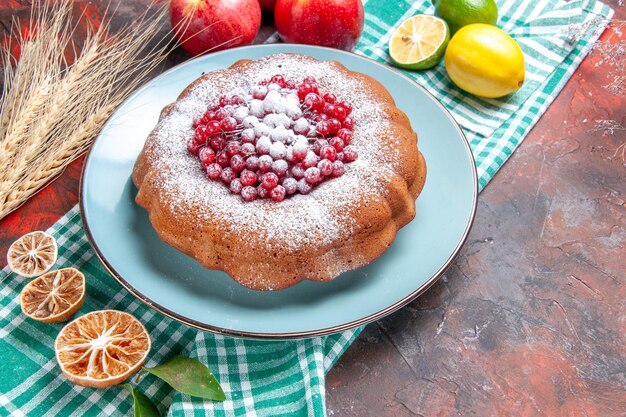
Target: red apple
x,y
334,23
267,5
211,25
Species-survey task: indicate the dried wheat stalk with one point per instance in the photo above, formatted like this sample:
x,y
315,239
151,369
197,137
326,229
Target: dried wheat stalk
x,y
50,111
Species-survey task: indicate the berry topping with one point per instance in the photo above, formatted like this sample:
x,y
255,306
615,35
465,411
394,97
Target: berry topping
x,y
330,98
248,177
345,135
290,185
325,167
312,175
228,175
328,152
248,193
235,186
265,163
270,180
206,155
281,138
278,193
214,171
338,169
350,154
222,159
337,143
194,147
237,163
228,124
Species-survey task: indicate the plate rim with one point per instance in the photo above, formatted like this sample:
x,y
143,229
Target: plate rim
x,y
283,335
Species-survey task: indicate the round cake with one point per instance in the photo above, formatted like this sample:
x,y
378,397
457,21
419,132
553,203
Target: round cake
x,y
281,169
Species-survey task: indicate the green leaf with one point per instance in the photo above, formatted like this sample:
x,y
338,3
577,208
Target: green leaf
x,y
189,376
143,406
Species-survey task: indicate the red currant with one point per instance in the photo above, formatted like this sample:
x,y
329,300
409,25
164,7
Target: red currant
x,y
322,128
278,193
224,101
214,171
345,135
265,163
337,143
252,163
248,193
325,166
206,155
200,135
194,147
235,186
262,192
333,126
330,98
237,162
328,152
270,180
247,149
220,114
278,79
222,159
217,143
227,175
312,175
228,124
338,169
291,185
213,128
347,106
237,100
339,113
303,90
314,102
350,154
247,177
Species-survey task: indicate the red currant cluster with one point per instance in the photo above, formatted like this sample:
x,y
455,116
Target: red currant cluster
x,y
279,140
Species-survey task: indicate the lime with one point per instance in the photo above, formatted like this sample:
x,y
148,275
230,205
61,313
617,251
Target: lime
x,y
459,13
483,60
419,42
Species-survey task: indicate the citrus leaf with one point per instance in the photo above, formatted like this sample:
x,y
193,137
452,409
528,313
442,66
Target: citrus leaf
x,y
189,376
143,406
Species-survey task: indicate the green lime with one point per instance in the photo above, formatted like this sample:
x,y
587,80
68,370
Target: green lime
x,y
459,13
419,42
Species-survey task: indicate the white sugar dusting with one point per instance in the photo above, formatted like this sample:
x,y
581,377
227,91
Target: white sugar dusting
x,y
321,217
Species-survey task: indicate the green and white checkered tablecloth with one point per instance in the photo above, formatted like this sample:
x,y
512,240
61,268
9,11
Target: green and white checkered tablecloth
x,y
280,378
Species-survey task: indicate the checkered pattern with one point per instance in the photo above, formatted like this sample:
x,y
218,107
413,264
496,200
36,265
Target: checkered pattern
x,y
278,378
495,127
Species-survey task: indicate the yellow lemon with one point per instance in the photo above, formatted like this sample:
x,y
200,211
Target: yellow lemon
x,y
483,60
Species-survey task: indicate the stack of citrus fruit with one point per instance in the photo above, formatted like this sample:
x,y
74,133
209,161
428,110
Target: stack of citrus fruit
x,y
479,58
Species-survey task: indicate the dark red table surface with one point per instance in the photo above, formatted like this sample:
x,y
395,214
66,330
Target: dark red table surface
x,y
531,317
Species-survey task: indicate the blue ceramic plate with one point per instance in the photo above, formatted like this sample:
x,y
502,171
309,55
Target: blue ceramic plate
x,y
177,286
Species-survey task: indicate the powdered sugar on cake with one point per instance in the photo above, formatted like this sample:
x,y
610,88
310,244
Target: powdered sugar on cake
x,y
321,217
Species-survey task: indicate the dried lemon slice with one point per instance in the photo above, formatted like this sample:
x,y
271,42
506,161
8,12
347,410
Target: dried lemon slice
x,y
33,254
102,348
54,296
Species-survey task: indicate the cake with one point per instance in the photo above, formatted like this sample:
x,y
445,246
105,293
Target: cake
x,y
329,188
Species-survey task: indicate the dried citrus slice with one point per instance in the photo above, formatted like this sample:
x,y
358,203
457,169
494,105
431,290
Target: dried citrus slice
x,y
55,296
102,348
33,254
